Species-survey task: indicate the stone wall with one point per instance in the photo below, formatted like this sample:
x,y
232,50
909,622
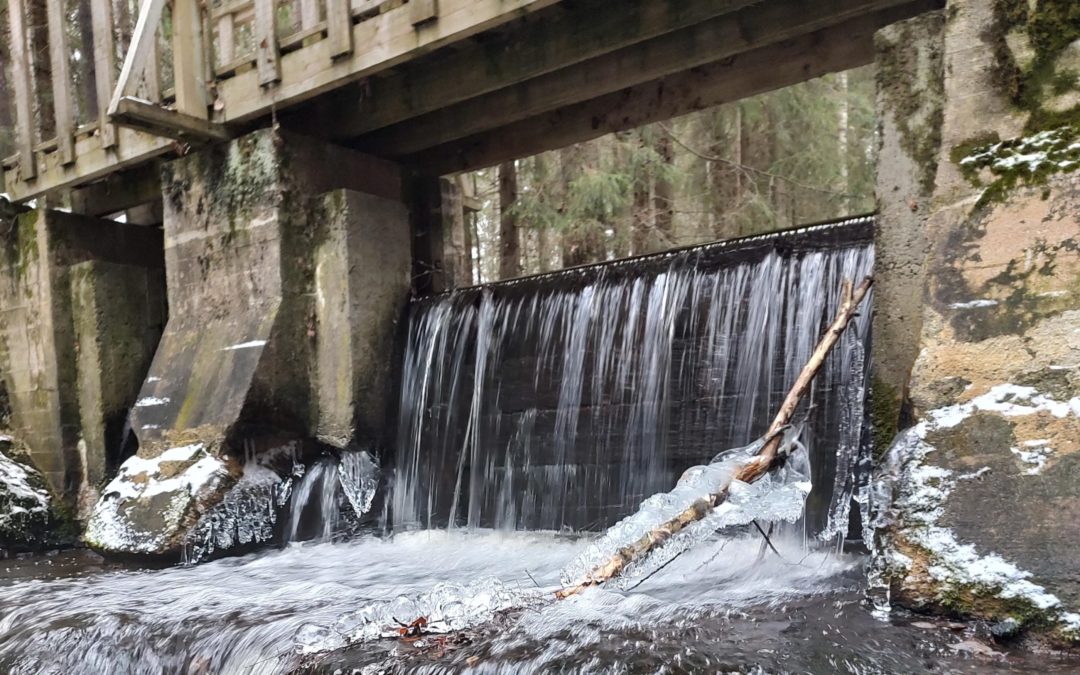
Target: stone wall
x,y
981,496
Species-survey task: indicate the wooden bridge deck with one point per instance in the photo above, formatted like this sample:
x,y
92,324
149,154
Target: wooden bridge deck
x,y
445,85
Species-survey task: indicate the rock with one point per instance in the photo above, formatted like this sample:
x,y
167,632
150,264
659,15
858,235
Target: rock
x,y
976,648
25,517
153,503
939,542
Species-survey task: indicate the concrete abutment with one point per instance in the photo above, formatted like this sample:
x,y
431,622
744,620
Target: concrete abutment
x,y
288,266
977,333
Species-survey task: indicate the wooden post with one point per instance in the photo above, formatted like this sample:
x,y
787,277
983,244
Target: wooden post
x,y
267,56
24,111
226,39
104,73
339,28
141,55
189,71
63,106
309,13
422,11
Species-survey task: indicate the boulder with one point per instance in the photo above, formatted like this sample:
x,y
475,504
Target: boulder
x,y
26,520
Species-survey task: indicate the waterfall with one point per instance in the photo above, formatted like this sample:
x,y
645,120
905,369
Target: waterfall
x,y
331,496
562,401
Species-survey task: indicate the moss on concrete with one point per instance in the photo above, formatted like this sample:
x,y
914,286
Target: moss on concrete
x,y
906,83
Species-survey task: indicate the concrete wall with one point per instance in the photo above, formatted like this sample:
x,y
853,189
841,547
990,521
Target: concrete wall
x,y
67,336
287,263
984,486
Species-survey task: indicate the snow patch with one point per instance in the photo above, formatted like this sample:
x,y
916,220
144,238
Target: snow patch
x,y
973,303
151,401
245,345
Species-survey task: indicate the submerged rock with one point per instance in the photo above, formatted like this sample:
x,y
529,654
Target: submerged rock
x,y
26,520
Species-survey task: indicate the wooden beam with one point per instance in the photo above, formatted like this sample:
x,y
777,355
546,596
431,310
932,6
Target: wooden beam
x,y
142,48
840,47
339,28
423,11
104,72
118,192
267,54
92,162
24,93
702,43
383,42
189,69
62,85
137,114
580,32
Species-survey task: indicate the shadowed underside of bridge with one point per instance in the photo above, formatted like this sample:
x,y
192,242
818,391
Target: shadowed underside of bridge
x,y
439,87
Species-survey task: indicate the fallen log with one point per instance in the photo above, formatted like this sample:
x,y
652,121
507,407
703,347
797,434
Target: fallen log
x,y
768,456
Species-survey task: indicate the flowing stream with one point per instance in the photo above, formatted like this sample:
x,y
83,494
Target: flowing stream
x,y
533,415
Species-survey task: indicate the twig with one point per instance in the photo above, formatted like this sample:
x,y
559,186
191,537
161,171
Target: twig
x,y
767,542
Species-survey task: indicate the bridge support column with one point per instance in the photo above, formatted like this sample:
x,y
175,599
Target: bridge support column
x,y
81,310
288,265
980,220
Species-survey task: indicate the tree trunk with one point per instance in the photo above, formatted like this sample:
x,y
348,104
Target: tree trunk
x,y
664,193
509,236
842,140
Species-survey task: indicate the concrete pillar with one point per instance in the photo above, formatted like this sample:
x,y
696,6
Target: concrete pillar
x,y
76,340
983,509
441,256
287,265
910,62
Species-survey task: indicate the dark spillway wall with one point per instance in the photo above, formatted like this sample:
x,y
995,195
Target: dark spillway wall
x,y
560,401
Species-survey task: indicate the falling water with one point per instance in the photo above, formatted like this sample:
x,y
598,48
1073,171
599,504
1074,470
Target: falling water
x,y
562,401
331,496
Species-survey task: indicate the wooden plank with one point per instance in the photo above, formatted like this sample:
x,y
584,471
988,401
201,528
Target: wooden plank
x,y
309,13
699,44
339,28
422,11
382,43
189,70
118,192
143,46
226,40
132,112
92,162
583,31
848,45
24,93
62,85
104,73
267,55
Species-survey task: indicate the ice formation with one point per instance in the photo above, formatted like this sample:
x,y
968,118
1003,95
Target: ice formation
x,y
246,515
446,607
777,496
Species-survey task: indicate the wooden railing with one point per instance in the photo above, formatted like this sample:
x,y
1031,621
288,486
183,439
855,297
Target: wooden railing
x,y
192,69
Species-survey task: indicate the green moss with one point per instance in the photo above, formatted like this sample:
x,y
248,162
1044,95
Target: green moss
x,y
1018,162
885,403
912,93
1050,26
